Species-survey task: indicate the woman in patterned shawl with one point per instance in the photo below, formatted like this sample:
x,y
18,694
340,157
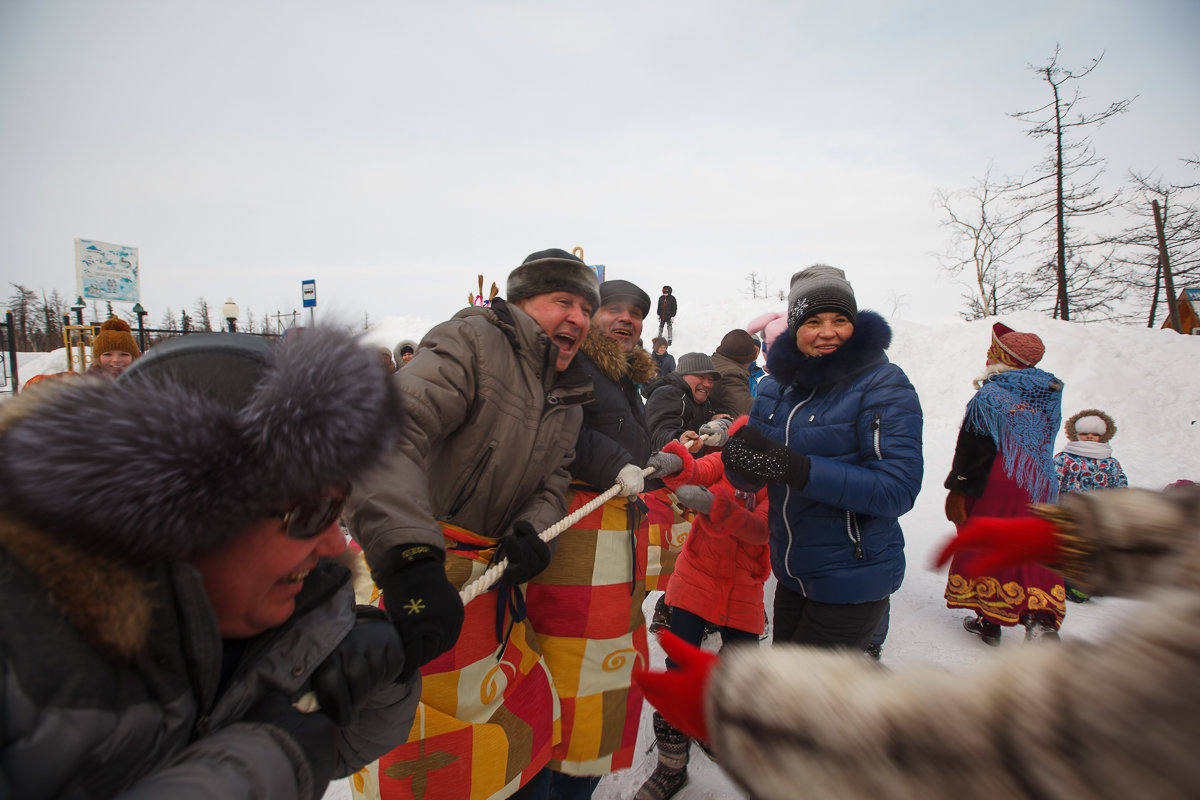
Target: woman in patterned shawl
x,y
1002,463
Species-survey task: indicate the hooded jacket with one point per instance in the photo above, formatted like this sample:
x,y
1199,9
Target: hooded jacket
x,y
731,391
719,576
488,434
110,653
857,416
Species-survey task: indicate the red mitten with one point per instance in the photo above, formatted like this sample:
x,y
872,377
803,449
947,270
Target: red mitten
x,y
678,694
685,475
1001,542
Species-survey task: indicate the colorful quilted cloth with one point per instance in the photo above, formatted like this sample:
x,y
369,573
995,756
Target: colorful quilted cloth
x,y
488,716
586,609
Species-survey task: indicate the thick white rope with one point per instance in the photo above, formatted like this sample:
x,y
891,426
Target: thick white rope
x,y
308,703
489,578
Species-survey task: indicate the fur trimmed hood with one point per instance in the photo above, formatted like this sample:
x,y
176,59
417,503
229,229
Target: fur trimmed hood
x,y
872,336
150,467
1110,427
639,366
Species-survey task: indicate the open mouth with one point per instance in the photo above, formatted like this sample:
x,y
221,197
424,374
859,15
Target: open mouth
x,y
565,341
295,577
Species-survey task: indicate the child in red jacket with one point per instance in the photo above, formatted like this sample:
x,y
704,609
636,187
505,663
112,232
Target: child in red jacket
x,y
718,578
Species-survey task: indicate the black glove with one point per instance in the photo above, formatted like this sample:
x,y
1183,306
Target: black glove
x,y
313,732
368,659
752,460
424,607
527,554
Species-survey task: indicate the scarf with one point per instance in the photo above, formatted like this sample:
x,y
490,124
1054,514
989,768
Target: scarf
x,y
1089,449
1020,411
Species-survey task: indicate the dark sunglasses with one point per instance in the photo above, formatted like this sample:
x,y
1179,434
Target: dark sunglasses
x,y
308,519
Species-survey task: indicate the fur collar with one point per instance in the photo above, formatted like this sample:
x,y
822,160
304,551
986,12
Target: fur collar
x,y
872,335
106,599
613,364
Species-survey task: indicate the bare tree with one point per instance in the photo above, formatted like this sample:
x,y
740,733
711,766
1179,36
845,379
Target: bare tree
x,y
985,231
1066,189
756,285
1138,246
201,317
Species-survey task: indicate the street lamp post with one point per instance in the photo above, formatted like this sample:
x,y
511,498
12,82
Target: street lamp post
x,y
230,310
141,315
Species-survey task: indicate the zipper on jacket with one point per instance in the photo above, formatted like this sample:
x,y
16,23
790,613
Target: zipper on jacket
x,y
854,534
787,495
472,481
876,426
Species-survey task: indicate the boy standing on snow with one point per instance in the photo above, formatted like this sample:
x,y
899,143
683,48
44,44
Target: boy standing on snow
x,y
666,312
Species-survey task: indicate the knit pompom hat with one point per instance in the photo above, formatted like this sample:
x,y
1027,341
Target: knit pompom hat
x,y
1014,349
553,270
1090,420
115,334
818,289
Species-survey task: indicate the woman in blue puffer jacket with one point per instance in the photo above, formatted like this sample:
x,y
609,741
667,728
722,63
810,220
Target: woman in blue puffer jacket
x,y
835,433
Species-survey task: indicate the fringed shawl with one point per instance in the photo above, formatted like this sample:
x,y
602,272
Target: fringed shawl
x,y
1020,410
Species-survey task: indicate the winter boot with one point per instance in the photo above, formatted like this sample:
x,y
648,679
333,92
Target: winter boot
x,y
1037,629
662,615
985,629
1074,595
671,773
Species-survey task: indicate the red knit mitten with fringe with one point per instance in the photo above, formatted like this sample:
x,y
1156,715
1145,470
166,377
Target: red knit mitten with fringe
x,y
678,694
996,542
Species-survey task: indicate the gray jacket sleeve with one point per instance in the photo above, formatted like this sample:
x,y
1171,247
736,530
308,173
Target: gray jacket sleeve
x,y
391,506
1113,718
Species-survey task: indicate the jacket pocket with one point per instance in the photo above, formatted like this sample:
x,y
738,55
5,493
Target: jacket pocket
x,y
470,484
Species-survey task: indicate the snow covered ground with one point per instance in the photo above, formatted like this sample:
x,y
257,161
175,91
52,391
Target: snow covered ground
x,y
1148,380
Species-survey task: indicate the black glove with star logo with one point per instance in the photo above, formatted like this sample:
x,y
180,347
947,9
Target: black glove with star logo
x,y
425,608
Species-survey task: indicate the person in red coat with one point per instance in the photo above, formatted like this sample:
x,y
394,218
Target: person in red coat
x,y
718,578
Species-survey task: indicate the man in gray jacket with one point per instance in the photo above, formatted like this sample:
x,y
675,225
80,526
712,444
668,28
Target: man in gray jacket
x,y
166,585
492,411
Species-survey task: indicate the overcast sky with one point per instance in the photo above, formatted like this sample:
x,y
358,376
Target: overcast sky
x,y
394,150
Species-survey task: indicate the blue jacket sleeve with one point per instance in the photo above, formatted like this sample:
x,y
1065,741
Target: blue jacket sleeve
x,y
886,477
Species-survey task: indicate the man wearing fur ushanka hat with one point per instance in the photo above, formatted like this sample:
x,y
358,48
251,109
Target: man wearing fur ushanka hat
x,y
493,402
168,587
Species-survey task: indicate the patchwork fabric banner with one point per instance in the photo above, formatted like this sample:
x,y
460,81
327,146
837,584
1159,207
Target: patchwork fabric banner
x,y
586,610
488,715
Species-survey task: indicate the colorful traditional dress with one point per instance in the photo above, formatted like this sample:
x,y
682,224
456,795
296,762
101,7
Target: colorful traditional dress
x,y
1002,463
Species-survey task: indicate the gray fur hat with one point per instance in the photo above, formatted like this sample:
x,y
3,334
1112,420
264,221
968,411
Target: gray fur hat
x,y
209,434
553,270
696,364
818,289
